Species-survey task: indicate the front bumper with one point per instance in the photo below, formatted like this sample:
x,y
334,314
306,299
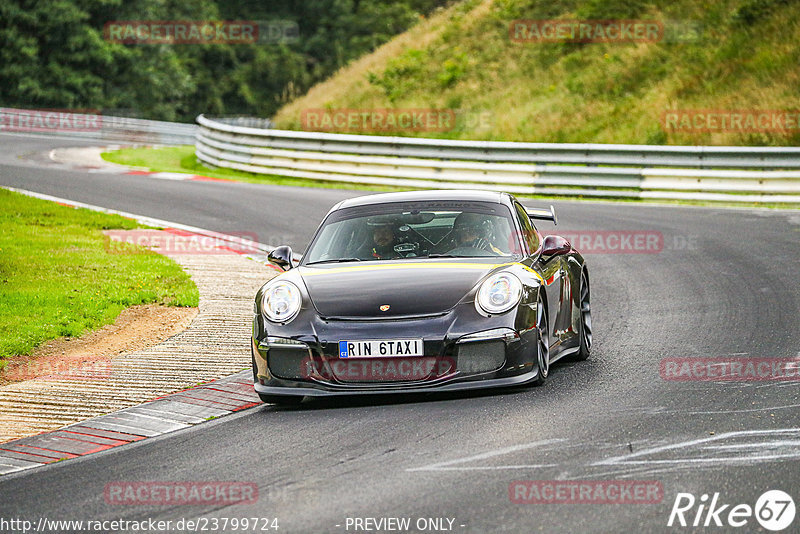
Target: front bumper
x,y
321,391
458,355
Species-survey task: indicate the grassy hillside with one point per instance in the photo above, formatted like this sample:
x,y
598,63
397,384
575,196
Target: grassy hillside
x,y
725,55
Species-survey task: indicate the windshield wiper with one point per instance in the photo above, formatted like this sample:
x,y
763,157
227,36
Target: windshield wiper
x,y
338,260
441,256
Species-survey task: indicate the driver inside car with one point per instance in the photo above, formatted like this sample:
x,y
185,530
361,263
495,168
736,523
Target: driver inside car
x,y
381,247
474,230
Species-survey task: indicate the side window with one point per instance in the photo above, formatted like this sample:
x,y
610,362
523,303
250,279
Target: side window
x,y
528,232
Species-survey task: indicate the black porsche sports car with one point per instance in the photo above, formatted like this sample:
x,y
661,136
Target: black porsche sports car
x,y
420,291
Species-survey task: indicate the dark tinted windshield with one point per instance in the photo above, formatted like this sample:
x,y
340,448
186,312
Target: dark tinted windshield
x,y
415,230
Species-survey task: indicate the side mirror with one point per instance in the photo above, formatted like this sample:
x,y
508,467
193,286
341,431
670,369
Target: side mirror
x,y
555,245
281,257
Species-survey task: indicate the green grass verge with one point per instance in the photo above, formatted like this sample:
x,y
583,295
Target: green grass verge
x,y
182,159
58,279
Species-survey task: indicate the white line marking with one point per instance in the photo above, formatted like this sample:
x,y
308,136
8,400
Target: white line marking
x,y
784,443
728,460
444,466
712,412
627,459
483,468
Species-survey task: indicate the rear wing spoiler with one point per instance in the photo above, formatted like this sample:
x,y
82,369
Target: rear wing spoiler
x,y
543,214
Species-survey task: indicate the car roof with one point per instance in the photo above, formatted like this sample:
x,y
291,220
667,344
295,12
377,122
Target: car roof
x,y
436,194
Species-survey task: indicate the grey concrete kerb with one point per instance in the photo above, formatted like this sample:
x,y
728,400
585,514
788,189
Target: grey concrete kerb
x,y
215,345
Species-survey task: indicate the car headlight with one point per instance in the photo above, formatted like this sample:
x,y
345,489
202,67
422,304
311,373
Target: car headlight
x,y
281,301
499,293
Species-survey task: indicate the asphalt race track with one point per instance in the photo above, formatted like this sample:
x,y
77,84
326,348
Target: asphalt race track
x,y
725,284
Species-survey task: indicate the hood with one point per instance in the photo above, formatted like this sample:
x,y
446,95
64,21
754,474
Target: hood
x,y
408,288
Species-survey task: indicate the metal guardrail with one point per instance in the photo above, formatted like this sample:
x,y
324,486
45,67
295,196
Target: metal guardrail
x,y
247,122
732,174
91,125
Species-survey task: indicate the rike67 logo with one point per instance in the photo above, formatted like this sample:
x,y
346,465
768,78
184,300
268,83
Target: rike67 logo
x,y
774,510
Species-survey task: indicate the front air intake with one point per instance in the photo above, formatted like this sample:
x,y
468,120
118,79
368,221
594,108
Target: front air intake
x,y
288,362
481,357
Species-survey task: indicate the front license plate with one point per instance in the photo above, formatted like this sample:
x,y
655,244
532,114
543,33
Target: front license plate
x,y
381,349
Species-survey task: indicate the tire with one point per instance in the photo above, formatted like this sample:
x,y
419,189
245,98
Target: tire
x,y
585,325
542,344
253,359
281,400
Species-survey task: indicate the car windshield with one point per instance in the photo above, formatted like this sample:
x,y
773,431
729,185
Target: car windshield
x,y
415,230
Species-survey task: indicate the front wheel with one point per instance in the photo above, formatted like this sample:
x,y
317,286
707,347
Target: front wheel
x,y
585,325
542,344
